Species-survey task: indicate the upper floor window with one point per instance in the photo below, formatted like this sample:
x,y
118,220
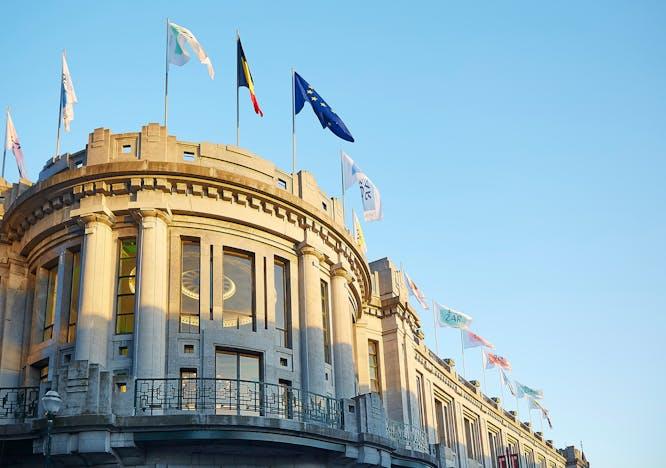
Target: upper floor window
x,y
74,297
239,309
494,444
419,399
189,286
373,367
325,312
282,302
472,437
444,415
126,287
50,304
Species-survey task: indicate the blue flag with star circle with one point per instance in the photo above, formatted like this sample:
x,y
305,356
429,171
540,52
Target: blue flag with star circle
x,y
304,92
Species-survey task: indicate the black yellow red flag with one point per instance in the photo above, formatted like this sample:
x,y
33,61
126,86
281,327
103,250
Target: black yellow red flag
x,y
245,77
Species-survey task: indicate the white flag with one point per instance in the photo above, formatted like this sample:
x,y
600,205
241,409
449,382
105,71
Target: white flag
x,y
416,292
178,55
67,95
12,143
372,202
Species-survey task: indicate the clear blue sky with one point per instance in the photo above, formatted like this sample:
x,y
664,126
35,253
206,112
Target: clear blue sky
x,y
520,150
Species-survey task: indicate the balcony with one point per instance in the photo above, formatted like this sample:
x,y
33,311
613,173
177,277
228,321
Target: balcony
x,y
407,436
234,397
19,403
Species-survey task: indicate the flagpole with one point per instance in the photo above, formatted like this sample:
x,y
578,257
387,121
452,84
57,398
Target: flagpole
x,y
434,322
57,152
342,186
4,153
237,105
483,370
293,134
462,348
501,386
166,76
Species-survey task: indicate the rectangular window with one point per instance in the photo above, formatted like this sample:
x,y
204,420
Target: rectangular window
x,y
74,297
188,389
282,302
419,399
239,310
495,446
373,367
44,374
126,287
237,388
325,314
445,422
50,305
472,437
190,273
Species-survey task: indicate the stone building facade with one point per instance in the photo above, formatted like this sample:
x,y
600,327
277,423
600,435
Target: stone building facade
x,y
194,305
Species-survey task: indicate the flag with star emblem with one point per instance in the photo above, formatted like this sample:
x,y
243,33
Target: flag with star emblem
x,y
245,77
304,92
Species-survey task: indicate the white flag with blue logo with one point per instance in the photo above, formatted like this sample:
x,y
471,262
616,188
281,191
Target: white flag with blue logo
x,y
67,95
372,202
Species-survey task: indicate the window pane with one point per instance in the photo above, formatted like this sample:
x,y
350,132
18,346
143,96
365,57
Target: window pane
x,y
189,287
282,305
125,324
238,308
249,367
74,297
126,286
225,365
325,322
49,308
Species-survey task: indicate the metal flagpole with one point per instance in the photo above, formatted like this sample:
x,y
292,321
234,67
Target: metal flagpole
x,y
342,186
483,370
57,152
166,77
434,322
293,133
462,348
4,153
237,106
501,381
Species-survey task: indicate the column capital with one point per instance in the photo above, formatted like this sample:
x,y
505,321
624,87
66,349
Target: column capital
x,y
307,249
142,213
339,270
102,217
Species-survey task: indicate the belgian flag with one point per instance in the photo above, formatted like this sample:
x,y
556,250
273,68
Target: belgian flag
x,y
245,77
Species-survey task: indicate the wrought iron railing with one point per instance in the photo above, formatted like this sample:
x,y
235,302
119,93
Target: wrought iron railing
x,y
19,402
234,397
408,436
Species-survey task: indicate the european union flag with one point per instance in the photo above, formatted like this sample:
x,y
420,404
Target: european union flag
x,y
329,119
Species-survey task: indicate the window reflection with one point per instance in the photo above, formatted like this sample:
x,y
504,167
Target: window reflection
x,y
49,308
239,307
126,287
282,306
189,287
74,297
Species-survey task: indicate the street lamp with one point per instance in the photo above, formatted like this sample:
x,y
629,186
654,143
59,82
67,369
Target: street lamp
x,y
52,404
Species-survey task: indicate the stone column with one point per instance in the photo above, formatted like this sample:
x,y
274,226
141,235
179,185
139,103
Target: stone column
x,y
153,275
15,284
95,319
311,324
343,355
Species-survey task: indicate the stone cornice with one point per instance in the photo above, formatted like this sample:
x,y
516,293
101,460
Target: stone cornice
x,y
119,178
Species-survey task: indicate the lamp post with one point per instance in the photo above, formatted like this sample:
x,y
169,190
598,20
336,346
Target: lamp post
x,y
52,404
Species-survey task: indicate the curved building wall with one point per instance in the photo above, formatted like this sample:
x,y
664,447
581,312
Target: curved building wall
x,y
165,287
